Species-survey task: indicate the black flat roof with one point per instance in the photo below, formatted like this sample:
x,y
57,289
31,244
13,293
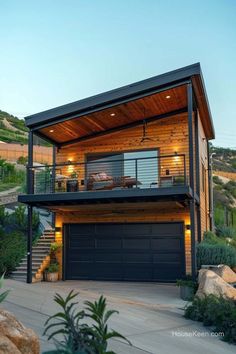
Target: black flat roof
x,y
51,116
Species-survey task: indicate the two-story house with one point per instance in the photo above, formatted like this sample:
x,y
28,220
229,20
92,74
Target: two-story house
x,y
129,184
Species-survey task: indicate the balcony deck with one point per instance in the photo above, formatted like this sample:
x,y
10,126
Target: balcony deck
x,y
107,180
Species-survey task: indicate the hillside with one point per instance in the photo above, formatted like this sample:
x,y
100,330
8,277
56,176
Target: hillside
x,y
224,184
13,130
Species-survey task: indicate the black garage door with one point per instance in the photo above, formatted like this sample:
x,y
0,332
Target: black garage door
x,y
141,252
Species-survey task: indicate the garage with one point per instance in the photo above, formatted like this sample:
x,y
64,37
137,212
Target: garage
x,y
132,252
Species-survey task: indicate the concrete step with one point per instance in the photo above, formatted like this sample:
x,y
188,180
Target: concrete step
x,y
41,248
24,269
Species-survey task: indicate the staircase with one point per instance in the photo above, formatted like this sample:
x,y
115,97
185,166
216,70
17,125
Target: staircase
x,y
40,258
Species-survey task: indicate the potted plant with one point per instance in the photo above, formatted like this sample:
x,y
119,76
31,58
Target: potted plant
x,y
52,272
188,288
72,184
54,249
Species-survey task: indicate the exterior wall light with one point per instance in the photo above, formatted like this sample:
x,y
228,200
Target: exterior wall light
x,y
57,229
188,227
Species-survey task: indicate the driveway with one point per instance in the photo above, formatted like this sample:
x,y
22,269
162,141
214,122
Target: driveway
x,y
150,315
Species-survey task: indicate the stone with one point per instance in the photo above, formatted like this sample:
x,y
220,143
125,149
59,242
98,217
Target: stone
x,y
226,273
6,346
212,283
14,335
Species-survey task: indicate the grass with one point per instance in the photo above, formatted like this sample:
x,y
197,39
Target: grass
x,y
7,186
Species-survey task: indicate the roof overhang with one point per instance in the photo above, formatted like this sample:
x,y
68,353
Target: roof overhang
x,y
92,113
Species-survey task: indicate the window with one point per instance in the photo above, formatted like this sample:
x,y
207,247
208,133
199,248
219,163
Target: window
x,y
141,166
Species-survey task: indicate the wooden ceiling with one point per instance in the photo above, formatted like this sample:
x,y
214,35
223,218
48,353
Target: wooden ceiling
x,y
118,116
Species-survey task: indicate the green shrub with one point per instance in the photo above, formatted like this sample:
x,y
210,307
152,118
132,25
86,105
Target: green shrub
x,y
225,231
80,337
215,254
211,238
5,293
22,160
217,312
12,250
217,180
52,268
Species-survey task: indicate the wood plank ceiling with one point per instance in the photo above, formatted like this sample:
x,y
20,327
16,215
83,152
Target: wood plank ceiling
x,y
119,115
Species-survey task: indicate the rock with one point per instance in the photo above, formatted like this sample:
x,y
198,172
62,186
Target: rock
x,y
14,335
6,346
212,283
226,273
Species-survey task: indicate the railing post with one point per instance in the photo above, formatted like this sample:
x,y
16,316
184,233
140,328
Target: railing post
x,y
30,180
185,178
136,172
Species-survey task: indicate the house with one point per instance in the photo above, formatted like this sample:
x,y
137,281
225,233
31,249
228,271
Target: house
x,y
130,180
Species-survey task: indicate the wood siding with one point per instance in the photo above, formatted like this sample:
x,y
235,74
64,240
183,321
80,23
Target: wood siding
x,y
204,185
168,135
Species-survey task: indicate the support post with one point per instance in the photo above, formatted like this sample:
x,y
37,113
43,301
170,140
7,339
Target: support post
x,y
53,181
29,245
210,189
30,190
197,169
191,177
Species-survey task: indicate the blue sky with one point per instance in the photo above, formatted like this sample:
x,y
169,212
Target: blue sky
x,y
58,51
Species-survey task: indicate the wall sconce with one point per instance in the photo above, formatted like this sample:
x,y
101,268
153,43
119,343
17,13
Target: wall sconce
x,y
57,229
176,152
69,162
188,227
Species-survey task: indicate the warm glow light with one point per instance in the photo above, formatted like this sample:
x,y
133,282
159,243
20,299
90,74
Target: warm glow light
x,y
168,96
112,114
51,131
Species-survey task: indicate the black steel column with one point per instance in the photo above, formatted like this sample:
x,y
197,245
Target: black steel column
x,y
29,245
197,169
210,189
53,181
191,177
30,189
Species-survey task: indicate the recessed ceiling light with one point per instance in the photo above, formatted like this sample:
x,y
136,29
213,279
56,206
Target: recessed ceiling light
x,y
112,114
168,96
51,131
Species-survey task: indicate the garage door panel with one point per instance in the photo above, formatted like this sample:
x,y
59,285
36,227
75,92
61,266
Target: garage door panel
x,y
136,243
137,271
109,243
167,258
81,242
137,257
166,244
168,229
141,252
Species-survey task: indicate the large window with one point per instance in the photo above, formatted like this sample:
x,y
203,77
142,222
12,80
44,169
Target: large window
x,y
134,169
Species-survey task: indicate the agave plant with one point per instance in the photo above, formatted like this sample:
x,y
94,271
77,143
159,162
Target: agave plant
x,y
5,293
100,334
78,337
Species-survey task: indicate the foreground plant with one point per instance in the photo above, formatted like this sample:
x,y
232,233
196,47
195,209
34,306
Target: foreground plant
x,y
217,312
78,337
5,293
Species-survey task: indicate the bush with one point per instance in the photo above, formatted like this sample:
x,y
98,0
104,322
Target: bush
x,y
12,250
22,160
80,337
211,238
217,312
215,254
225,231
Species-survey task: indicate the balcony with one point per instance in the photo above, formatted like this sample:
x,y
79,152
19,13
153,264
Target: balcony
x,y
108,178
